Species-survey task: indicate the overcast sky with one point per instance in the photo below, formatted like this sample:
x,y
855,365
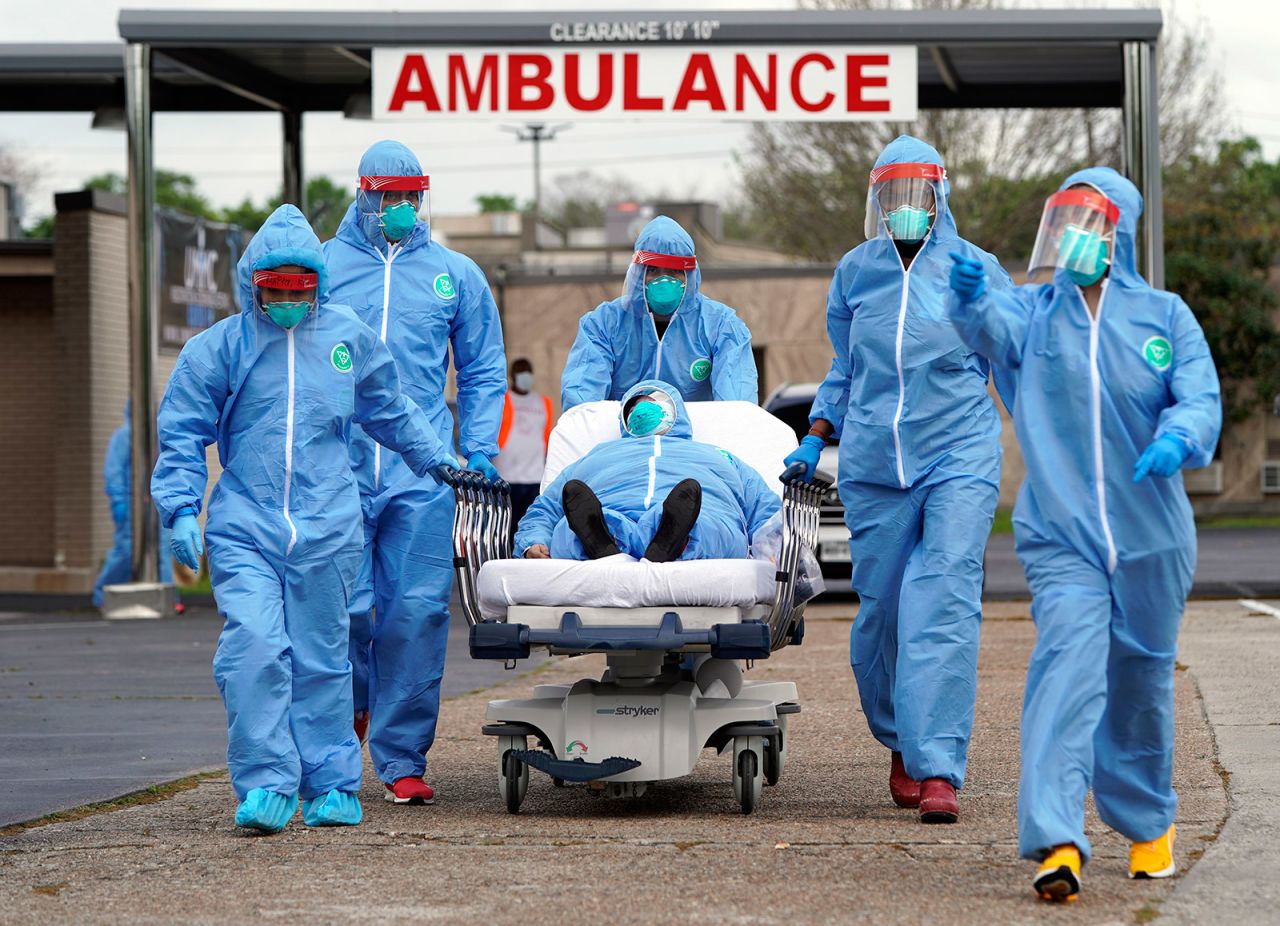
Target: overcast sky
x,y
232,156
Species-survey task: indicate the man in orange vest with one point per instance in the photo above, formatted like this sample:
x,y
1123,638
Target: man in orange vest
x,y
527,420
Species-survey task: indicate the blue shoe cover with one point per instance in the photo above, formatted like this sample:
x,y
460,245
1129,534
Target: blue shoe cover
x,y
266,810
336,808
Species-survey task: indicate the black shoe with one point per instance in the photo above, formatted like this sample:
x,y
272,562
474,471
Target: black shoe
x,y
586,518
679,514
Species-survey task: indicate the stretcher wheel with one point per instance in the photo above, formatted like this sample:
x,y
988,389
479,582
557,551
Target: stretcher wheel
x,y
747,778
775,754
513,775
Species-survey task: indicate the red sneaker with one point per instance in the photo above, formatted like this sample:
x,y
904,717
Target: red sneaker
x,y
904,789
361,726
938,802
410,791
179,608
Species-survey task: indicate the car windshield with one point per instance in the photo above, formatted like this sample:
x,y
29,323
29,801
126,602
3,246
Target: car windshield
x,y
796,417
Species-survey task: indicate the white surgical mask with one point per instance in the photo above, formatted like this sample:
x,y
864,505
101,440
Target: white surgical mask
x,y
524,381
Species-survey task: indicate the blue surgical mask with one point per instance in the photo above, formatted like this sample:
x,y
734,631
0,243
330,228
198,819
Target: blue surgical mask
x,y
645,418
908,224
287,314
663,294
1083,254
397,220
524,381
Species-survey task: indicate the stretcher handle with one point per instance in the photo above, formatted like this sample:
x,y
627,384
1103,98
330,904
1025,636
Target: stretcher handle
x,y
793,472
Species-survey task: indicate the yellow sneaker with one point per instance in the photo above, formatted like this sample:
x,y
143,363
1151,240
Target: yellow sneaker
x,y
1152,859
1058,879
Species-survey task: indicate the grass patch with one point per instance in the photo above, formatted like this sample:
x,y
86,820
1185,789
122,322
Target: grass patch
x,y
1003,523
1145,914
152,795
686,846
1247,522
49,890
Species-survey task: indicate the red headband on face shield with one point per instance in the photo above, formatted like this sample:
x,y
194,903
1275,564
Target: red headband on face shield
x,y
666,261
1087,199
930,172
396,184
273,280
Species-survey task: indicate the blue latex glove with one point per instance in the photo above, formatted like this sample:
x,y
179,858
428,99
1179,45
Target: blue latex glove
x,y
968,278
1164,456
185,540
438,471
809,453
120,512
479,463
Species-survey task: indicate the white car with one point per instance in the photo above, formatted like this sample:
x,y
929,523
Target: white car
x,y
790,403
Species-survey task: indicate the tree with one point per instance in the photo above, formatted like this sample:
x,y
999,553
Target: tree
x,y
173,191
806,182
326,205
579,199
1222,237
496,202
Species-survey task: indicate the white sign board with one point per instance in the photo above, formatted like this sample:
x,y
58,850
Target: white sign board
x,y
822,83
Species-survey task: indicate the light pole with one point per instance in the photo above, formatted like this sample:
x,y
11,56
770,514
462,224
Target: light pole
x,y
537,132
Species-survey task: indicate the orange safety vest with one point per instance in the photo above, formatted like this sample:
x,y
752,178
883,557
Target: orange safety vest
x,y
509,414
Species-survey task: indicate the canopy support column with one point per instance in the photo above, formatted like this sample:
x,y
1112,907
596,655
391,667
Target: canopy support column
x,y
1141,151
294,187
141,306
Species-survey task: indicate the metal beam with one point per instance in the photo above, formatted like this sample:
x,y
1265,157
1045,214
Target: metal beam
x,y
1140,155
294,186
137,80
946,70
223,70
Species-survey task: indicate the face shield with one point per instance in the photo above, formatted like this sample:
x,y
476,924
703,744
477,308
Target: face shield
x,y
902,199
1077,233
648,413
661,279
396,202
284,297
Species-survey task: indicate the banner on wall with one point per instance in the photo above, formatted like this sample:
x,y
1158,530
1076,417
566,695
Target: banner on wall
x,y
195,273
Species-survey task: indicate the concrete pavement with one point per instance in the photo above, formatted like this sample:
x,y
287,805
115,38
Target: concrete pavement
x,y
826,845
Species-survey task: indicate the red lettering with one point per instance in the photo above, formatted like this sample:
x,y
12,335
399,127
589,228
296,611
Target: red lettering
x,y
518,82
856,82
743,72
414,66
573,83
709,92
800,65
631,98
488,76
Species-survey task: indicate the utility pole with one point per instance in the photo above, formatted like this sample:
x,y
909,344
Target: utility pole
x,y
537,132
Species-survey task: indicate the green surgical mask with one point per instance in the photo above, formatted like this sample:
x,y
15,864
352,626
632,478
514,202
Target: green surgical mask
x,y
287,314
908,224
1083,254
663,294
397,220
645,418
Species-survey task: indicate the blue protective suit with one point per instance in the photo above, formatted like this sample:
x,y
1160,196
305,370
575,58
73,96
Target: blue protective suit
x,y
919,479
705,352
1109,561
283,529
117,474
632,477
426,302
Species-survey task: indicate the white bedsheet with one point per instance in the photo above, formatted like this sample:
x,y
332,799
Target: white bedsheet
x,y
622,582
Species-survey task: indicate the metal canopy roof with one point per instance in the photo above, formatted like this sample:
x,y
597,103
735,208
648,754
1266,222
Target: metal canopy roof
x,y
308,61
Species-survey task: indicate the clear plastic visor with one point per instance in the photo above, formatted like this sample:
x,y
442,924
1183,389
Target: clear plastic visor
x,y
275,286
664,401
649,265
378,193
902,200
1077,232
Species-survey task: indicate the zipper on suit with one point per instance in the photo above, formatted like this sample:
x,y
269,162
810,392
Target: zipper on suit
x,y
288,447
653,469
1095,405
392,251
897,359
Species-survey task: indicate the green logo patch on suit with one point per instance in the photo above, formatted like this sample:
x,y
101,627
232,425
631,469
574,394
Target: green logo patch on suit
x,y
340,357
700,369
443,286
1158,353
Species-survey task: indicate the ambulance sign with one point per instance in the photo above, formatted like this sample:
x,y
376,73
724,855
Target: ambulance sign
x,y
822,83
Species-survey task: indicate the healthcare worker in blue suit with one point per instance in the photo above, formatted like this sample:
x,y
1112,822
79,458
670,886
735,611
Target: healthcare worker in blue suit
x,y
426,303
655,493
919,475
278,387
661,327
1116,393
117,471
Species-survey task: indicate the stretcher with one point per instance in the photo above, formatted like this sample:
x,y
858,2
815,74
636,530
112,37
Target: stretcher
x,y
675,636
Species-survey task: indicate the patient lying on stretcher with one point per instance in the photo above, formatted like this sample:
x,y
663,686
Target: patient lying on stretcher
x,y
655,493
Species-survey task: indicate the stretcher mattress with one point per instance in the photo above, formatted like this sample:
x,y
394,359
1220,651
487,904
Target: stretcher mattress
x,y
623,582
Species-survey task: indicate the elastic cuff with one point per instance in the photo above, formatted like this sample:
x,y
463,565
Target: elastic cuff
x,y
185,510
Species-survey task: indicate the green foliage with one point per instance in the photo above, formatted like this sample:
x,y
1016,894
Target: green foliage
x,y
42,228
326,204
1222,237
173,191
496,202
